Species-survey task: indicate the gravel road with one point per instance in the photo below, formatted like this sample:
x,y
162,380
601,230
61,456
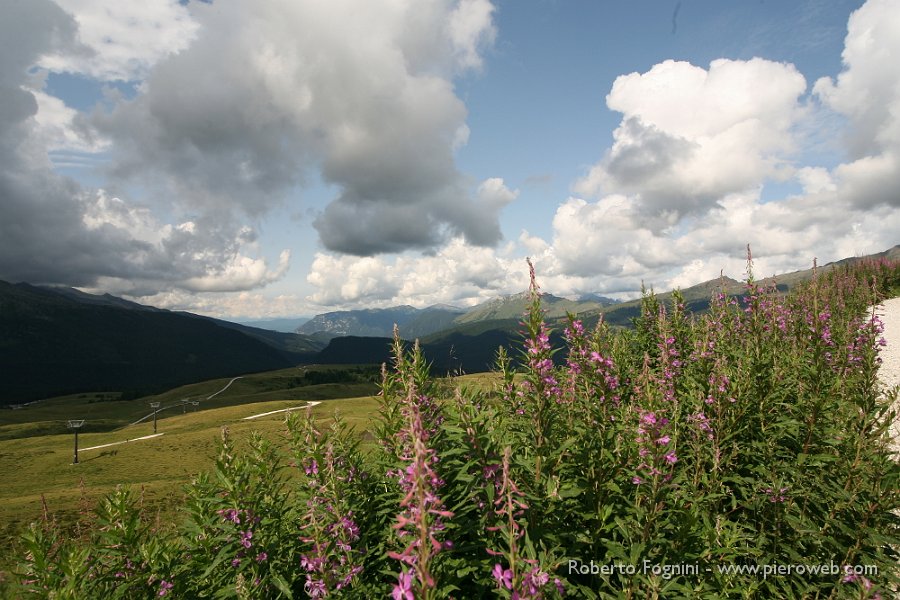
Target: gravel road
x,y
889,373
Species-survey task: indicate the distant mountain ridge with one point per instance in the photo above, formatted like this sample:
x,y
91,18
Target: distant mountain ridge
x,y
515,305
418,323
506,311
57,341
379,322
284,325
472,338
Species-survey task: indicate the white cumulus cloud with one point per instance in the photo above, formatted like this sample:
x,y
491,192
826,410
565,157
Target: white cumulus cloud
x,y
361,93
458,273
122,40
690,136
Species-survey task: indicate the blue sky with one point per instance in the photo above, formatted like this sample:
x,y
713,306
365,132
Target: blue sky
x,y
286,158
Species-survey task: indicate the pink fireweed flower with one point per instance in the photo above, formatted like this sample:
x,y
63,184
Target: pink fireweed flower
x,y
421,520
585,367
653,441
560,588
503,576
403,589
246,536
851,577
604,366
718,384
575,330
540,342
778,497
669,360
331,562
230,514
312,562
315,588
545,365
534,581
539,363
702,423
866,342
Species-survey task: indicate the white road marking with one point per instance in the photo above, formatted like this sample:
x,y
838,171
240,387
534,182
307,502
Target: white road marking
x,y
225,388
309,404
146,437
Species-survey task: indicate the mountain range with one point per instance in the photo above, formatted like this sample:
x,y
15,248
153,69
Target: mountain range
x,y
284,325
379,322
414,323
56,341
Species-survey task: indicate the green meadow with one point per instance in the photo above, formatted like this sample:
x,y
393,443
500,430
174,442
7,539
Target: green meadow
x,y
36,446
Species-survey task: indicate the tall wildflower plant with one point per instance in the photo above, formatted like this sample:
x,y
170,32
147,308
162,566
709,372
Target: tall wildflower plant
x,y
539,428
541,386
409,377
474,431
593,483
520,573
332,496
410,435
240,536
122,557
420,524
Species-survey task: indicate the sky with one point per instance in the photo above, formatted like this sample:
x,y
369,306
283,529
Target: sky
x,y
290,157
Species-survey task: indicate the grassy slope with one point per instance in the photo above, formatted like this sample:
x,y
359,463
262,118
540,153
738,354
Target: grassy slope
x,y
102,414
58,343
36,448
42,465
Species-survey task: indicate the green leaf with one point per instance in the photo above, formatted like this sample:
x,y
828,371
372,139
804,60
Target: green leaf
x,y
282,585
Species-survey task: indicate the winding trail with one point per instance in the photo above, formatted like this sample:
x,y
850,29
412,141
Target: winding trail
x,y
227,385
146,437
159,410
309,404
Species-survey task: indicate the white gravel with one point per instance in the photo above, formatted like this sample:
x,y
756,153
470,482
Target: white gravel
x,y
889,373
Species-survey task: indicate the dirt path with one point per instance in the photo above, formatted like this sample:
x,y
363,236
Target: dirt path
x,y
309,404
146,437
889,372
228,385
